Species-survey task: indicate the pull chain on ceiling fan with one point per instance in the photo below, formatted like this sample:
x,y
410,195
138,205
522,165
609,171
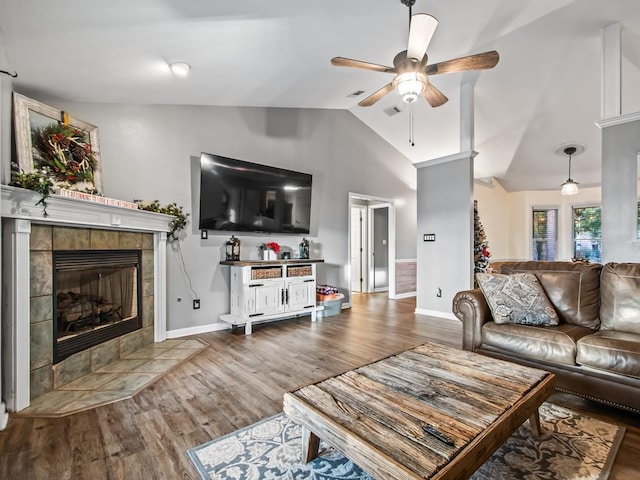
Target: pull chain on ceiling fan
x,y
411,68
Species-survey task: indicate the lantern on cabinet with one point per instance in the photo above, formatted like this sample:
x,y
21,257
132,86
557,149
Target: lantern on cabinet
x,y
303,248
233,249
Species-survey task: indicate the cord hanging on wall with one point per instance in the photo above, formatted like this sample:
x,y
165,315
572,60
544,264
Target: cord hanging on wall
x,y
13,75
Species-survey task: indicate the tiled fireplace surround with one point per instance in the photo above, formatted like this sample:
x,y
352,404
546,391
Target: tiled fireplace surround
x,y
44,375
29,239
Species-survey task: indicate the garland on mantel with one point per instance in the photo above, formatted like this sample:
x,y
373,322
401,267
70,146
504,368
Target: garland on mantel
x,y
175,225
40,181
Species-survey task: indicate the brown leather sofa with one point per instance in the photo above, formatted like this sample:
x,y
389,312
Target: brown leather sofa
x,y
594,351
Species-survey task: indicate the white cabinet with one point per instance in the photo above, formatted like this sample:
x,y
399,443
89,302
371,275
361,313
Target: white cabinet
x,y
261,291
265,298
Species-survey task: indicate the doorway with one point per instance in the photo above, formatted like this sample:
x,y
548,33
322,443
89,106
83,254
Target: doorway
x,y
371,244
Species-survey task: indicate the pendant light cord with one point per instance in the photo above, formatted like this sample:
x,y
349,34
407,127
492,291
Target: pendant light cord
x,y
411,126
570,166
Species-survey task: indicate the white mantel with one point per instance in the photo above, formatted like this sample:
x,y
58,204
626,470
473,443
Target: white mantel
x,y
18,210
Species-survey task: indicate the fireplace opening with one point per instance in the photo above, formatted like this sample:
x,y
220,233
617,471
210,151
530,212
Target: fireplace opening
x,y
97,298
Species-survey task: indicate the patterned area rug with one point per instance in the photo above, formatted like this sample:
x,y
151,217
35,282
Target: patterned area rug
x,y
573,446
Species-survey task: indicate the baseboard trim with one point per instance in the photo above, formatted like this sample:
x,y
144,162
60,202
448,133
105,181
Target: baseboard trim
x,y
436,313
185,332
404,295
4,416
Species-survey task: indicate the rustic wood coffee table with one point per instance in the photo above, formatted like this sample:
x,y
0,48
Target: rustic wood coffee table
x,y
379,415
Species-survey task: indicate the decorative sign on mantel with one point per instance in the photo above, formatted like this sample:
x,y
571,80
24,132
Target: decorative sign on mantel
x,y
97,198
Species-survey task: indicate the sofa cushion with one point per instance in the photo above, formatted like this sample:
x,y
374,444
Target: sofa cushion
x,y
620,297
572,287
517,298
612,351
549,344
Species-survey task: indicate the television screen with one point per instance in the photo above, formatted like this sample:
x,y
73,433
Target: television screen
x,y
240,196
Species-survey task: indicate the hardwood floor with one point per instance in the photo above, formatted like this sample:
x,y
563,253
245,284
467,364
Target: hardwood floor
x,y
237,381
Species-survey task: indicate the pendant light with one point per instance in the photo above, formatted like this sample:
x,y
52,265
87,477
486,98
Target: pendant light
x,y
570,187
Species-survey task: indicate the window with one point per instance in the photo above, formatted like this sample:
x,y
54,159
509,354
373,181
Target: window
x,y
587,241
545,234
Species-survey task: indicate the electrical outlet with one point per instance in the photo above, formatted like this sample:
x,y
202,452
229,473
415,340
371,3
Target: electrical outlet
x,y
438,292
196,304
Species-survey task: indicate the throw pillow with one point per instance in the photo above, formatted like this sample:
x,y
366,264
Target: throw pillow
x,y
517,298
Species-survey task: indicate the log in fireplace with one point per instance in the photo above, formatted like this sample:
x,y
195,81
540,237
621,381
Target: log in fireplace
x,y
97,298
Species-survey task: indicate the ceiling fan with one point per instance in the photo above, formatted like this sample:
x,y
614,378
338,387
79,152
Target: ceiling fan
x,y
411,67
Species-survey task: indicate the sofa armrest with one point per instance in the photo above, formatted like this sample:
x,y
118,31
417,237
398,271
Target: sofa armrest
x,y
471,308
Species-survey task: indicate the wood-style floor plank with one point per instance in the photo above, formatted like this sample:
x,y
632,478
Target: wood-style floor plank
x,y
235,382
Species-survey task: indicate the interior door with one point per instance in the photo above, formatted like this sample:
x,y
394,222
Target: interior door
x,y
358,236
380,253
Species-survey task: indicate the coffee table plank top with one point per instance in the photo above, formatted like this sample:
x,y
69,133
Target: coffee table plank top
x,y
374,414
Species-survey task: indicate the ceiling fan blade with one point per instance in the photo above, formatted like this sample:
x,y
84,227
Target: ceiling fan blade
x,y
434,96
374,97
421,31
348,62
480,61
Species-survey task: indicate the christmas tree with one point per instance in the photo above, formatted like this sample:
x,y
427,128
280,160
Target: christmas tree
x,y
480,244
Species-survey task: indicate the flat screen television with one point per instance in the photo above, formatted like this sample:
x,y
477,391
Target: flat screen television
x,y
239,196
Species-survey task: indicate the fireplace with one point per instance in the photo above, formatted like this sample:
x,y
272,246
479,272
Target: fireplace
x,y
29,242
97,297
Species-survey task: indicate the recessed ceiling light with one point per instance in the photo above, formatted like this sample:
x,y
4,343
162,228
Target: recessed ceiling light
x,y
180,68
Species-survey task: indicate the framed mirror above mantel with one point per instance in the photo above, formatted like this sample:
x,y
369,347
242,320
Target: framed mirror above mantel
x,y
52,139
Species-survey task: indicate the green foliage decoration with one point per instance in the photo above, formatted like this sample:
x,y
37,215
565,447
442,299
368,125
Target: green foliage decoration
x,y
175,225
37,180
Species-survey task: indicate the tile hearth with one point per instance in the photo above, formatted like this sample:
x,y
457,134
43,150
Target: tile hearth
x,y
116,381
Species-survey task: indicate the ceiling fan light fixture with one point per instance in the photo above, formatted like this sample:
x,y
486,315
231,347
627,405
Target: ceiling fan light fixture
x,y
180,68
410,85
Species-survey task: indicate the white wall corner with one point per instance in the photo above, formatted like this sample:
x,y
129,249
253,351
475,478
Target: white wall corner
x,y
611,95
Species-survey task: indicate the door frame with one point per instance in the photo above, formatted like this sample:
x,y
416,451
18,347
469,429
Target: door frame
x,y
364,247
380,202
371,248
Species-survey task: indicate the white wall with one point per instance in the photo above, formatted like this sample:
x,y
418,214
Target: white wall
x,y
506,218
620,148
493,204
152,152
445,208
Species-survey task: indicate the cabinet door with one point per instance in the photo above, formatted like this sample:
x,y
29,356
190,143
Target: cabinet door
x,y
301,294
268,298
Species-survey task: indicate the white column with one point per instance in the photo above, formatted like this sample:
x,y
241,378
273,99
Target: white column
x,y
17,323
611,95
160,286
467,118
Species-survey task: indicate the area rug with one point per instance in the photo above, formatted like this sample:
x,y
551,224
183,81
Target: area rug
x,y
573,446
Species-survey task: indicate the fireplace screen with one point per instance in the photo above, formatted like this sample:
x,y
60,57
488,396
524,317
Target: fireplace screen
x,y
97,298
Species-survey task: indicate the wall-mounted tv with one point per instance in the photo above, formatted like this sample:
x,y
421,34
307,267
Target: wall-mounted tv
x,y
239,196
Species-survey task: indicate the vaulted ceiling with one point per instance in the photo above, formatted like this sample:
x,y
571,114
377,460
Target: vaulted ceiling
x,y
544,92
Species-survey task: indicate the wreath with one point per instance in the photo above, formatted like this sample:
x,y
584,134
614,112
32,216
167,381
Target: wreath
x,y
65,151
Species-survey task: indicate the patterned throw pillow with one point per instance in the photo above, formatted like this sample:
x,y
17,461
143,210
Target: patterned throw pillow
x,y
517,298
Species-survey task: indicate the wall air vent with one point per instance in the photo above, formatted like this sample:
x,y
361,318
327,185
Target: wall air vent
x,y
391,111
357,93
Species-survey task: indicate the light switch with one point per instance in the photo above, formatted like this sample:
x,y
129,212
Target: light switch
x,y
429,237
